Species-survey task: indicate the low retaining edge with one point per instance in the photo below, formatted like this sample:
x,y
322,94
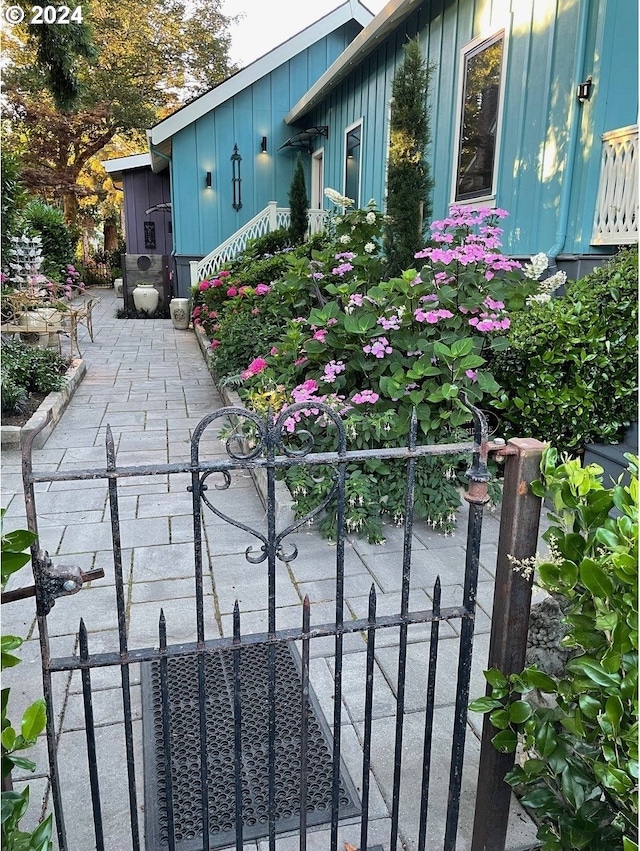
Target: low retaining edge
x,y
56,401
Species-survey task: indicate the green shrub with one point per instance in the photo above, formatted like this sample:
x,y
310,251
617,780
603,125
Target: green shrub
x,y
32,723
272,242
14,397
569,375
32,369
58,240
580,766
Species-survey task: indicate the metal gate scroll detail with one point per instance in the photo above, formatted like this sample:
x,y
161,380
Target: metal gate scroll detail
x,y
264,753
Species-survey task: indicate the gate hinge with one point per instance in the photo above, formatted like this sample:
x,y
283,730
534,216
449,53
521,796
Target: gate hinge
x,y
53,581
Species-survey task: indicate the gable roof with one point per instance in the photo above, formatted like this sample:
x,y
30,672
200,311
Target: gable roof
x,y
363,44
159,137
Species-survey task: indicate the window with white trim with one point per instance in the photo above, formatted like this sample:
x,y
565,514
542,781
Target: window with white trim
x,y
353,149
482,68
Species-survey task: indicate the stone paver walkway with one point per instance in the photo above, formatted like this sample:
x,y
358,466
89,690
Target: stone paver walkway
x,y
150,384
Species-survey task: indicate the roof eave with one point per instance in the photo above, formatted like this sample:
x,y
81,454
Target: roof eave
x,y
349,11
363,44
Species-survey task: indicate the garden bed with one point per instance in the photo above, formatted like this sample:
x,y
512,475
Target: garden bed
x,y
56,402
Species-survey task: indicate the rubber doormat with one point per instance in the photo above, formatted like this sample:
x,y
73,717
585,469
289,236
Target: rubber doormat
x,y
185,750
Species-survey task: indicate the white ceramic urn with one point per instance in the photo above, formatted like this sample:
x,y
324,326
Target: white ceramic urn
x,y
179,311
146,298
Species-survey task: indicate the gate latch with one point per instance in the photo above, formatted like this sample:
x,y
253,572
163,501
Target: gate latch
x,y
52,581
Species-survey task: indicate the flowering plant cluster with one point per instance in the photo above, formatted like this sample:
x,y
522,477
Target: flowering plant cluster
x,y
379,349
420,340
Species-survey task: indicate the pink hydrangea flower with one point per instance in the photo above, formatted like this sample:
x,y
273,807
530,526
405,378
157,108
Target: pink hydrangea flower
x,y
331,370
472,374
320,335
204,285
262,289
224,273
342,269
273,350
256,366
378,348
214,344
232,291
367,396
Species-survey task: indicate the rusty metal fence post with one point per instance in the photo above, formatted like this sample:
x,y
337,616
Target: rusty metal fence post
x,y
519,526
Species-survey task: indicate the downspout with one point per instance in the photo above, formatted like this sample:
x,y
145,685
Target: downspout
x,y
574,132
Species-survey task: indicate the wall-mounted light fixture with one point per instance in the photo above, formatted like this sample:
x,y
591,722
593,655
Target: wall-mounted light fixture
x,y
207,181
236,159
263,145
584,90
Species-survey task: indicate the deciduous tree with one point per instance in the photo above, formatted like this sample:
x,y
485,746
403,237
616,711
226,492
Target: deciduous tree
x,y
149,59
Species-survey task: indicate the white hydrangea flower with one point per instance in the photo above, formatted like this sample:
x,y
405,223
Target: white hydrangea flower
x,y
338,220
371,218
345,238
370,248
539,264
553,282
540,298
338,199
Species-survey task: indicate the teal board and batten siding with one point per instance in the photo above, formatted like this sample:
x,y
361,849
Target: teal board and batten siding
x,y
207,216
542,73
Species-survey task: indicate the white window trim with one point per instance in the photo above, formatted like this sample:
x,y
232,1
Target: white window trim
x,y
347,130
488,200
316,155
387,149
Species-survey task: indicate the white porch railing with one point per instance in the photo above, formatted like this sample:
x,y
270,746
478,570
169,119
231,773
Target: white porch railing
x,y
271,218
616,218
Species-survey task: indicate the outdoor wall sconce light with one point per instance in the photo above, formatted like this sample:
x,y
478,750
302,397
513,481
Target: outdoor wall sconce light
x,y
236,159
263,145
207,181
584,90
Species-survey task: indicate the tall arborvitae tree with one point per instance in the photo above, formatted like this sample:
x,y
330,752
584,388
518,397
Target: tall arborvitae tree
x,y
299,205
408,178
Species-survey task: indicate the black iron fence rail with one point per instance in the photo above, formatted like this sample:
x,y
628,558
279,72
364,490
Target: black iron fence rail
x,y
283,636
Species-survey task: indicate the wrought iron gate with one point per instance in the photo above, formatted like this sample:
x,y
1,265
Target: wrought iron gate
x,y
237,740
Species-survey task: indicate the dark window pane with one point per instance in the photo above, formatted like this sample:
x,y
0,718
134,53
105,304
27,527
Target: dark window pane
x,y
352,165
479,120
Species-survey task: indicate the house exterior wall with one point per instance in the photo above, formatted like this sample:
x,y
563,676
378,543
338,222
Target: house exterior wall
x,y
142,190
540,109
204,217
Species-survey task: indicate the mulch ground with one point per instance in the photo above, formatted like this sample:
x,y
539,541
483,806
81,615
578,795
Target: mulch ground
x,y
29,408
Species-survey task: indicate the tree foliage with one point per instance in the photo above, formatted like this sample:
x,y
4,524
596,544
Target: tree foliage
x,y
408,178
299,204
12,197
148,60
